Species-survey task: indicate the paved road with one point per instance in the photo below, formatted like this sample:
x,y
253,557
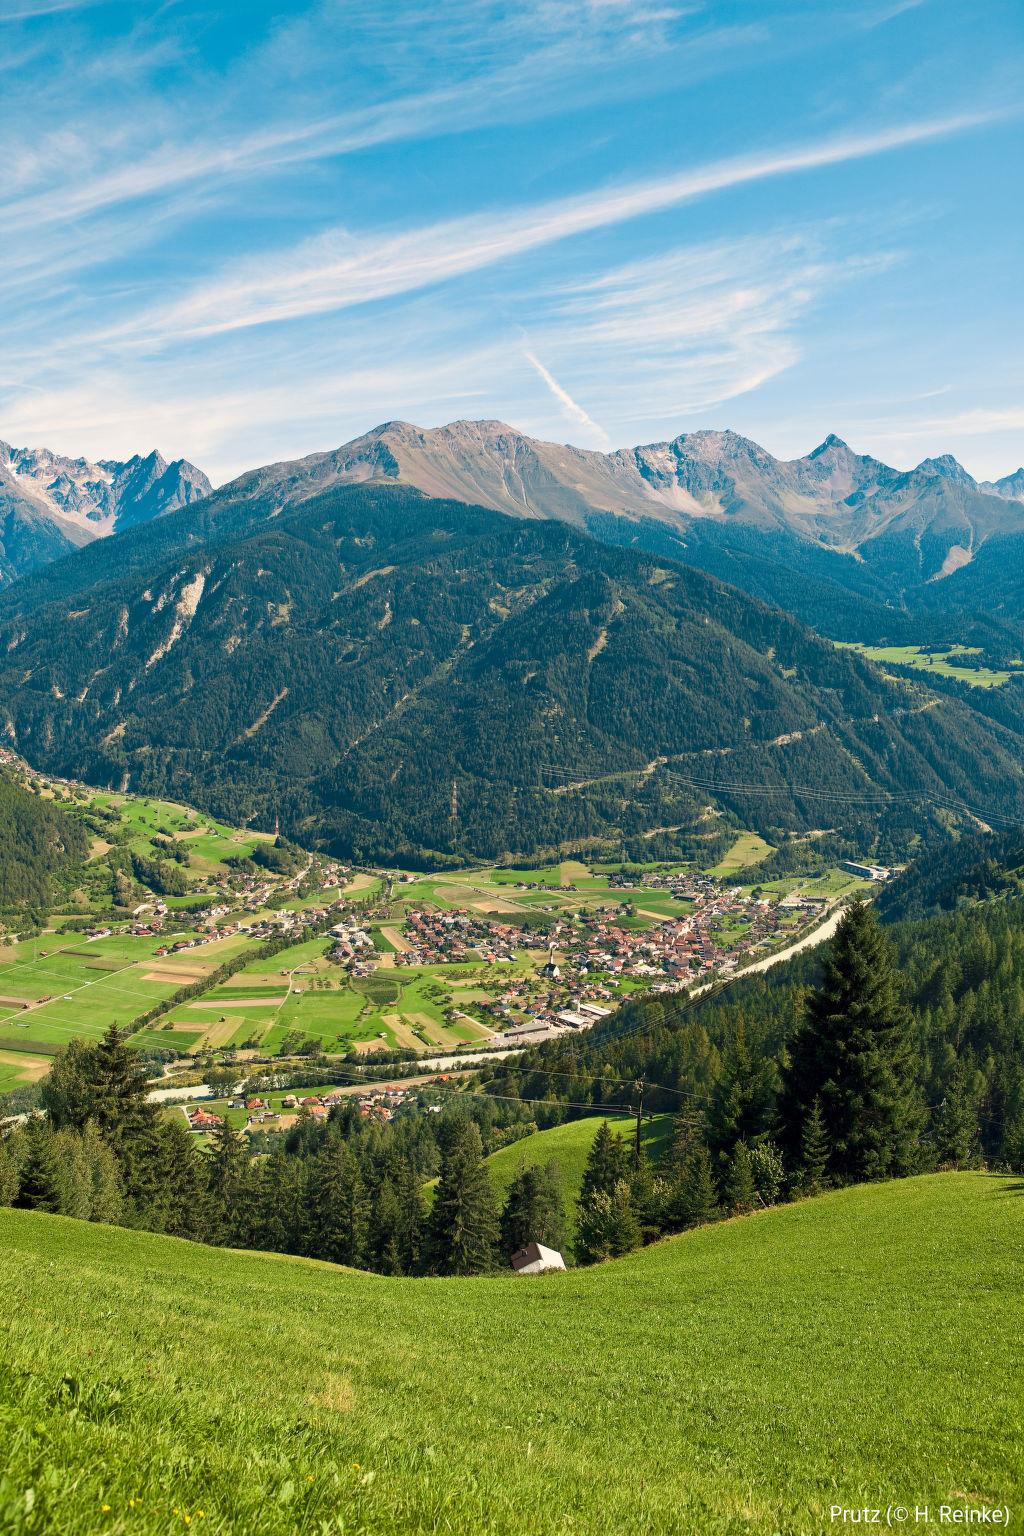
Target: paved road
x,y
819,935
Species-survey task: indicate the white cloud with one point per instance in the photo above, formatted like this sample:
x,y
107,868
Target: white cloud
x,y
564,398
337,270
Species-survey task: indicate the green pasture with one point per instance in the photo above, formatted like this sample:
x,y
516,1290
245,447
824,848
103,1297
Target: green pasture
x,y
940,660
863,1349
568,1147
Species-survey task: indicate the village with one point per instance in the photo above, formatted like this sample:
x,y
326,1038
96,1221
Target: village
x,y
379,1103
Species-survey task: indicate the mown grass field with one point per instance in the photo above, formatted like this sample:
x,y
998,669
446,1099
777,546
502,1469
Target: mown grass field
x,y
864,1348
78,987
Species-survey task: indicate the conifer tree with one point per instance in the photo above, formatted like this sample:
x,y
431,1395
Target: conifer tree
x,y
463,1230
185,1199
337,1207
648,1197
8,1177
697,1201
533,1211
105,1188
856,1052
739,1193
814,1151
228,1163
956,1125
39,1175
607,1163
410,1227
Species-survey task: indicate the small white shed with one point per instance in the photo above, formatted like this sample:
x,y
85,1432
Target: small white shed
x,y
535,1259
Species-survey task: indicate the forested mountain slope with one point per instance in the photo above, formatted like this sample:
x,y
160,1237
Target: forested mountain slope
x,y
343,663
38,842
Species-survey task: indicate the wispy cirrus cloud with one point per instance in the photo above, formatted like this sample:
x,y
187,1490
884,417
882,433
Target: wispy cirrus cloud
x,y
337,270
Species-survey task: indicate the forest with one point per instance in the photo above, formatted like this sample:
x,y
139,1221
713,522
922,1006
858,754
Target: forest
x,y
345,664
40,845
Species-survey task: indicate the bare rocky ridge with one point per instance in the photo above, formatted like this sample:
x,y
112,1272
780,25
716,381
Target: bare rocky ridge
x,y
51,504
835,498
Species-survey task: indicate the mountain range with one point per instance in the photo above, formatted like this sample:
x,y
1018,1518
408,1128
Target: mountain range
x,y
51,505
929,521
342,660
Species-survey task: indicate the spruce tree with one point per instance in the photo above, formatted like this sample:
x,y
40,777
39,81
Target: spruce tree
x,y
814,1151
648,1198
463,1229
739,1193
697,1201
855,1051
607,1163
39,1174
337,1205
533,1211
410,1229
228,1163
956,1126
8,1177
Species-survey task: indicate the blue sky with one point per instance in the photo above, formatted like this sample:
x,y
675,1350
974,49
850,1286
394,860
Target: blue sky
x,y
245,232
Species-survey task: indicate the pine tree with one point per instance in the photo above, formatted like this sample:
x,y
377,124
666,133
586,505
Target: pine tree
x,y
739,1194
814,1151
607,1163
956,1126
855,1051
533,1211
463,1229
39,1175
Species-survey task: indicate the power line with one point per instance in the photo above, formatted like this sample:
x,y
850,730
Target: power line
x,y
730,787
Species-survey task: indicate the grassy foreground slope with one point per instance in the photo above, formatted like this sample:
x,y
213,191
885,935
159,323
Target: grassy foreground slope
x,y
865,1347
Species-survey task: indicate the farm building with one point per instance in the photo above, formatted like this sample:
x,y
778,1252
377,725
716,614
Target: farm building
x,y
535,1259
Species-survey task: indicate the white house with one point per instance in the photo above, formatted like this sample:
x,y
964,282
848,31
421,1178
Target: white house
x,y
535,1259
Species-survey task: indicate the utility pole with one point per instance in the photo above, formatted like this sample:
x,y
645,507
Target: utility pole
x,y
639,1115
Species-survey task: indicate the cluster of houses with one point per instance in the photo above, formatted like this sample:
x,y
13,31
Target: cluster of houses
x,y
379,1103
353,945
436,938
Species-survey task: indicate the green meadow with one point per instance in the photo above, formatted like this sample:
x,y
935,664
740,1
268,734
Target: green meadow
x,y
942,661
861,1349
568,1147
209,841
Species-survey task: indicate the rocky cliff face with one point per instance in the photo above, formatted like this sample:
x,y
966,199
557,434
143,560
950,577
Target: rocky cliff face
x,y
51,504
